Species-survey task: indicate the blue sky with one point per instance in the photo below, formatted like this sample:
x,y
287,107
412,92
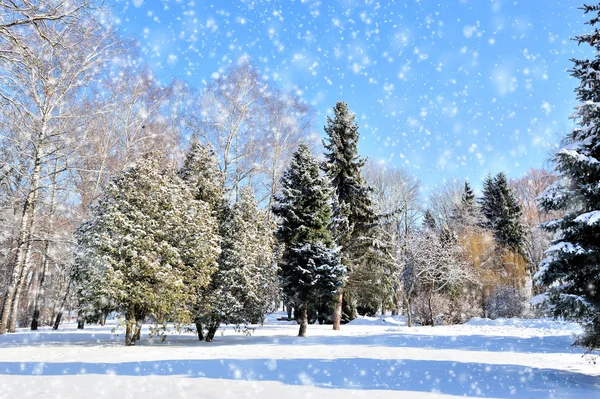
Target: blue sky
x,y
446,89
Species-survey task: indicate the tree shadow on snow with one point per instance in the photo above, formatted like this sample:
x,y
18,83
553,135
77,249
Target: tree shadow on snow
x,y
486,343
446,377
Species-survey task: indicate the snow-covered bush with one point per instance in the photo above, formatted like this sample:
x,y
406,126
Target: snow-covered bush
x,y
505,301
463,308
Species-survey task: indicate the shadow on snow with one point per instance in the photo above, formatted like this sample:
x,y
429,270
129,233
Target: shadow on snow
x,y
447,377
487,343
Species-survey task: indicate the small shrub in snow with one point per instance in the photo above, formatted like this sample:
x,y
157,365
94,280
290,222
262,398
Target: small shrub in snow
x,y
505,301
422,314
463,308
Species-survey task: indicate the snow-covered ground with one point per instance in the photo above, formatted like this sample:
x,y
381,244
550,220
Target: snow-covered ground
x,y
370,357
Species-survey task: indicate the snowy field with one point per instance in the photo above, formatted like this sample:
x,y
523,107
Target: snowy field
x,y
369,357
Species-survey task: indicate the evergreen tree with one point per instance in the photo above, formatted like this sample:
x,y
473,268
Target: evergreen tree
x,y
148,248
572,267
310,266
429,221
245,287
468,198
202,174
354,214
502,213
465,213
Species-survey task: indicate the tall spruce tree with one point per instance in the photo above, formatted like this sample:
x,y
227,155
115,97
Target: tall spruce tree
x,y
572,267
354,213
148,248
502,212
310,267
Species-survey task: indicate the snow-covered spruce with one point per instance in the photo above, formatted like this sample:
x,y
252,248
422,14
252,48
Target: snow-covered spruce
x,y
572,266
355,221
310,266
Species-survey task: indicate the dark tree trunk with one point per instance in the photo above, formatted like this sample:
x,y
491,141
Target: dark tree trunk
x,y
80,323
128,335
337,313
138,331
303,320
213,325
57,320
62,306
289,312
210,335
103,317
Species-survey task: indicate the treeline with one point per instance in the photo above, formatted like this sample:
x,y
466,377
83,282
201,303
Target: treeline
x,y
169,204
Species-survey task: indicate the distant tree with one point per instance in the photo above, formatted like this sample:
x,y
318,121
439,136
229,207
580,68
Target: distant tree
x,y
310,266
431,265
502,212
428,221
571,269
536,239
148,248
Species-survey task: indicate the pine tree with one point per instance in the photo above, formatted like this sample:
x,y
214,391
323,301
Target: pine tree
x,y
354,213
310,266
148,248
572,267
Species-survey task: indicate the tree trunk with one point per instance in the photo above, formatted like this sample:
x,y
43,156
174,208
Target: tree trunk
x,y
11,303
128,335
199,330
61,308
137,332
337,313
212,330
39,298
289,312
303,320
80,323
430,308
130,322
408,312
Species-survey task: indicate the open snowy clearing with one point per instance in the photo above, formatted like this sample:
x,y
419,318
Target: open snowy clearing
x,y
367,358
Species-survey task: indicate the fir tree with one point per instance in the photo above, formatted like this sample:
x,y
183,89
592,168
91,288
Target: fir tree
x,y
148,248
572,267
354,213
310,266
